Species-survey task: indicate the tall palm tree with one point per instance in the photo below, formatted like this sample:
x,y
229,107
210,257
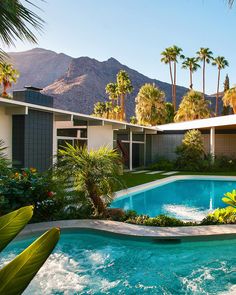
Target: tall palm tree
x,y
167,58
150,105
94,173
111,90
15,23
221,63
229,98
176,54
191,64
8,75
193,106
205,55
124,87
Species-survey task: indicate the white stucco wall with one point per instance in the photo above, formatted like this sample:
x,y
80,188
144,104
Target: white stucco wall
x,y
6,131
100,136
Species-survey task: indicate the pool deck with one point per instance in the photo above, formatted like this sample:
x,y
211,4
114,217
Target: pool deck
x,y
184,233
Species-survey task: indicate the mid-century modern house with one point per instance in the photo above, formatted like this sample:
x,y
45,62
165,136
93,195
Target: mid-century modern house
x,y
32,130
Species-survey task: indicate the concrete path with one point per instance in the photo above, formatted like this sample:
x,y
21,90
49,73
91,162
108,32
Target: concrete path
x,y
154,172
170,173
140,171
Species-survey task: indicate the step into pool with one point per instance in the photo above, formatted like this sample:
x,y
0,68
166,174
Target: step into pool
x,y
187,199
92,263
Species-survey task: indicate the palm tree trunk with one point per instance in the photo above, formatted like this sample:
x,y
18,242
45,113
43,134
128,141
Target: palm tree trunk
x,y
122,105
98,204
217,93
174,104
5,86
172,83
191,79
203,77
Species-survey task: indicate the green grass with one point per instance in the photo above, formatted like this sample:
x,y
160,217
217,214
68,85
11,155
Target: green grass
x,y
131,179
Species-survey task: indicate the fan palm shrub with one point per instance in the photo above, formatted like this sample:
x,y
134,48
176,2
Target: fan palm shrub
x,y
94,175
150,105
193,106
229,98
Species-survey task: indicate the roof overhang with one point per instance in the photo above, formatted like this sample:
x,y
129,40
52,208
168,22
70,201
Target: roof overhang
x,y
222,122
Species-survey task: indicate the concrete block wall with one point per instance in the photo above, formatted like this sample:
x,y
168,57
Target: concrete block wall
x,y
164,145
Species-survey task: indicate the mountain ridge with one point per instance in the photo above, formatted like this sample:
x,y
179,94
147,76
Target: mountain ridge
x,y
78,83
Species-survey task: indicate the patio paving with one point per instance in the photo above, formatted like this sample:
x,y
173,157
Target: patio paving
x,y
140,171
170,173
154,172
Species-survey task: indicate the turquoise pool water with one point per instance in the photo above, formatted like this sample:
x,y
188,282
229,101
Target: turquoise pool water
x,y
186,199
90,263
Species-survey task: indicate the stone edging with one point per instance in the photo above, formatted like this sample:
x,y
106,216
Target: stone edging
x,y
185,233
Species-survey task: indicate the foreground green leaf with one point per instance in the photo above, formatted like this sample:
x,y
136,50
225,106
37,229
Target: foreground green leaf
x,y
16,275
11,224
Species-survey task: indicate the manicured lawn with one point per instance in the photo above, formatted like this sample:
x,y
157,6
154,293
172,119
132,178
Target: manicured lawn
x,y
131,179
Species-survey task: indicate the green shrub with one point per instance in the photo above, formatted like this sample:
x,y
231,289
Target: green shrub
x,y
160,220
28,187
162,164
191,152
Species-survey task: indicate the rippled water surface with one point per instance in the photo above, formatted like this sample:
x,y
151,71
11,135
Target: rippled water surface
x,y
90,263
184,199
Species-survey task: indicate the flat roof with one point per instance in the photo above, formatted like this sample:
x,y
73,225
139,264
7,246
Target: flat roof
x,y
59,112
229,120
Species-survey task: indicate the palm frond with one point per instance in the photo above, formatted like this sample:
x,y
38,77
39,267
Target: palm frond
x,y
16,20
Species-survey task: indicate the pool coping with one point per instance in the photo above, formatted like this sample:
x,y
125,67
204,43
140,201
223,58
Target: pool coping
x,y
182,233
166,180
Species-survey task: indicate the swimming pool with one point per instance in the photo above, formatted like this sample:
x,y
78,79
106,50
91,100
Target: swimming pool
x,y
187,199
91,263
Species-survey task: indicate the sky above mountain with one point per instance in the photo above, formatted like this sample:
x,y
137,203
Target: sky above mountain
x,y
136,31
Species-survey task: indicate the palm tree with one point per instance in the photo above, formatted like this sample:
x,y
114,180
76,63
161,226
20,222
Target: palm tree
x,y
111,90
99,109
150,105
176,54
229,98
191,64
205,55
167,58
221,63
193,106
124,86
93,173
8,75
14,18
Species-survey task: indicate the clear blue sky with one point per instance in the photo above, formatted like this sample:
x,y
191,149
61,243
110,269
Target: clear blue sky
x,y
136,31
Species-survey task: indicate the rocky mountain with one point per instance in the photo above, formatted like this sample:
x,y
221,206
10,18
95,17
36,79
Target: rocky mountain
x,y
77,83
39,67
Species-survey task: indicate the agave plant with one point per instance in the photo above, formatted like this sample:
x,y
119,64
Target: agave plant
x,y
230,198
16,275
